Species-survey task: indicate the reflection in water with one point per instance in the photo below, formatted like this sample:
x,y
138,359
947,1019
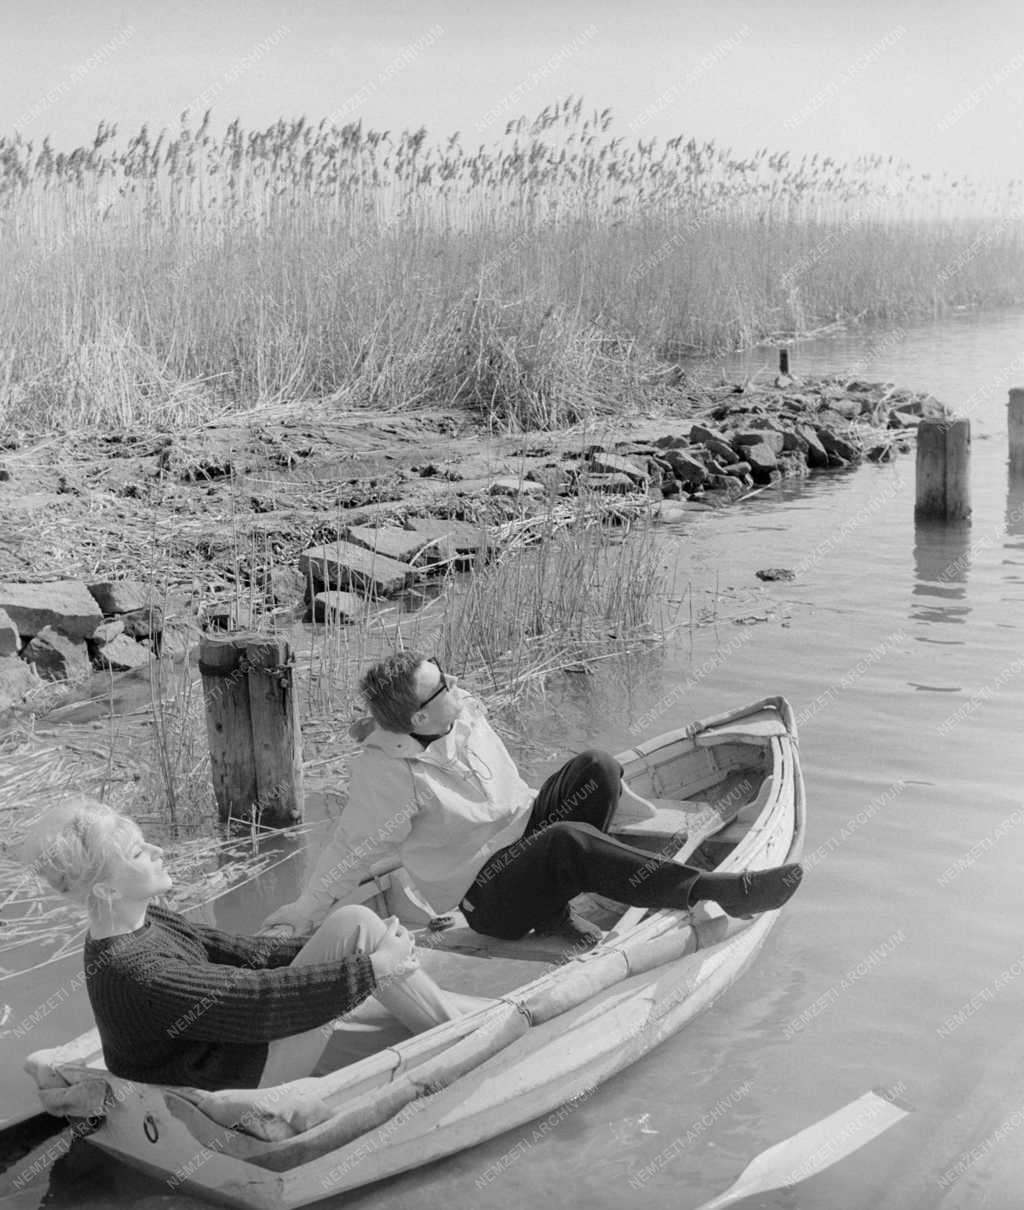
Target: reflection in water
x,y
1014,545
942,559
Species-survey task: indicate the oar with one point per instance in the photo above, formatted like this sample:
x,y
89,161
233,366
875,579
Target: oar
x,y
816,1148
704,826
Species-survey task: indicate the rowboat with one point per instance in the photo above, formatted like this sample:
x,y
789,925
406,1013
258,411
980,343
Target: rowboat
x,y
553,1024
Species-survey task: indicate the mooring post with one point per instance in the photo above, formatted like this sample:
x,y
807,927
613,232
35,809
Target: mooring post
x,y
1016,428
252,728
943,470
276,741
783,361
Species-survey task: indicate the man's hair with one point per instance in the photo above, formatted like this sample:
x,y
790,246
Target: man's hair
x,y
389,690
70,846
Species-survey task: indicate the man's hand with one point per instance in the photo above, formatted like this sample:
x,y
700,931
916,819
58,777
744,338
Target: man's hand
x,y
291,920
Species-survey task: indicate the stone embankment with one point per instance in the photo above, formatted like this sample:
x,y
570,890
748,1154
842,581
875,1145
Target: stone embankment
x,y
60,629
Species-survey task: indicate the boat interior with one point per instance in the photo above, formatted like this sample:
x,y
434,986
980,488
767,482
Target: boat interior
x,y
688,783
705,792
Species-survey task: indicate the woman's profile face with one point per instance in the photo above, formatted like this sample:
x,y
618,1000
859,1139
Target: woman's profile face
x,y
135,868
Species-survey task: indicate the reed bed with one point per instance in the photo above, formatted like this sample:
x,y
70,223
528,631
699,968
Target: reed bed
x,y
165,279
566,593
580,591
36,772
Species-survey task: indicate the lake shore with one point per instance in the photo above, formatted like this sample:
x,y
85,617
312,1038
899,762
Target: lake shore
x,y
218,516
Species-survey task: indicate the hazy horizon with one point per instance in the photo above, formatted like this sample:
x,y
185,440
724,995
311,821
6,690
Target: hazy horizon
x,y
933,84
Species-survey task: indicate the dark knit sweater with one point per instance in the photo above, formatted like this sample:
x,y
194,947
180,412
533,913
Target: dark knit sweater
x,y
183,1003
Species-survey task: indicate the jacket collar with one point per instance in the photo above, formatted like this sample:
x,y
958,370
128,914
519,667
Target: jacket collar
x,y
406,747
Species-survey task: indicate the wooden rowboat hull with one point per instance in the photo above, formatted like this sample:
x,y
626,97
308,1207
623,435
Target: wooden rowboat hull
x,y
538,1051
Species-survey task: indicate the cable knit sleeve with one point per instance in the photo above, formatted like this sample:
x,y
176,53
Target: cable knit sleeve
x,y
215,1003
227,949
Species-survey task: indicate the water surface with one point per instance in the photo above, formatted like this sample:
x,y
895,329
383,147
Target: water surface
x,y
900,962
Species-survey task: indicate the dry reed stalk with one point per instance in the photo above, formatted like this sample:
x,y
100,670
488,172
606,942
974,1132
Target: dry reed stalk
x,y
537,281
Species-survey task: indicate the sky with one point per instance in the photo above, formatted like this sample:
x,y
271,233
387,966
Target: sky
x,y
938,83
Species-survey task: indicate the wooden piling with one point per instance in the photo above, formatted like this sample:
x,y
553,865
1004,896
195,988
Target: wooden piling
x,y
252,728
943,470
1015,425
783,361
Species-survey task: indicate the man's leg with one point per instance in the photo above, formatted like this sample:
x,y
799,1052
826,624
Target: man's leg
x,y
533,879
415,999
584,790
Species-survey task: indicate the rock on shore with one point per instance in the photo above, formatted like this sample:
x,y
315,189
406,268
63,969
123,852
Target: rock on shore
x,y
368,537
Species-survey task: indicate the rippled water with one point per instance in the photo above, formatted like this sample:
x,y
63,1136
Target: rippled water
x,y
901,961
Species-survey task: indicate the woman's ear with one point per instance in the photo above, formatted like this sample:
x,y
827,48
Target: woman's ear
x,y
104,892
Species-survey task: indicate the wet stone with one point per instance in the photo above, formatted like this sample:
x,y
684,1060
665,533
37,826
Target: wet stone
x,y
66,605
10,640
617,464
738,469
390,540
336,606
753,437
761,458
143,623
284,584
685,466
107,632
507,486
836,445
555,479
120,596
608,483
342,565
122,654
727,485
794,442
58,657
461,537
793,465
16,679
817,455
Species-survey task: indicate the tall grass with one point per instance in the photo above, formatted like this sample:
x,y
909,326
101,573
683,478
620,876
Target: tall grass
x,y
582,592
163,278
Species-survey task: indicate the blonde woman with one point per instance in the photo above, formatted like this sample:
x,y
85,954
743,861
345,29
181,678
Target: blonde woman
x,y
182,1003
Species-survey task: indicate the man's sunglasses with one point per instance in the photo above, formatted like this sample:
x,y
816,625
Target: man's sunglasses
x,y
445,684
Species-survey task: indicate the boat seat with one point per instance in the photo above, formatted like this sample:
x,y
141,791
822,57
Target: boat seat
x,y
669,819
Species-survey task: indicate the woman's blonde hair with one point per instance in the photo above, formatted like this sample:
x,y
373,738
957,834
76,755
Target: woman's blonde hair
x,y
70,846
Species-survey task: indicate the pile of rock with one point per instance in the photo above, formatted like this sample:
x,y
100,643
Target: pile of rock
x,y
757,439
61,630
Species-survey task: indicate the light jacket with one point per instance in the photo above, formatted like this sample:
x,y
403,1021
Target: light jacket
x,y
443,810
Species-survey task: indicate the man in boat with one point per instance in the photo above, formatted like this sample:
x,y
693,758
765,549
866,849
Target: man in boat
x,y
177,1002
436,787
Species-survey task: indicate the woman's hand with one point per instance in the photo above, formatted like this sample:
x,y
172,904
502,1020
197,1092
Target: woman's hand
x,y
395,954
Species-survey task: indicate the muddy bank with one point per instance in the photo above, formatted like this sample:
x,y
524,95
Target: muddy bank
x,y
122,546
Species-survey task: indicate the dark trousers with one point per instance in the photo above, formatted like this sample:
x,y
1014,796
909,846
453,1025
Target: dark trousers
x,y
565,850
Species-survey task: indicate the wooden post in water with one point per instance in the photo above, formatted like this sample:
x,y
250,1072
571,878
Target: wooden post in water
x,y
943,470
1016,427
783,361
252,728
